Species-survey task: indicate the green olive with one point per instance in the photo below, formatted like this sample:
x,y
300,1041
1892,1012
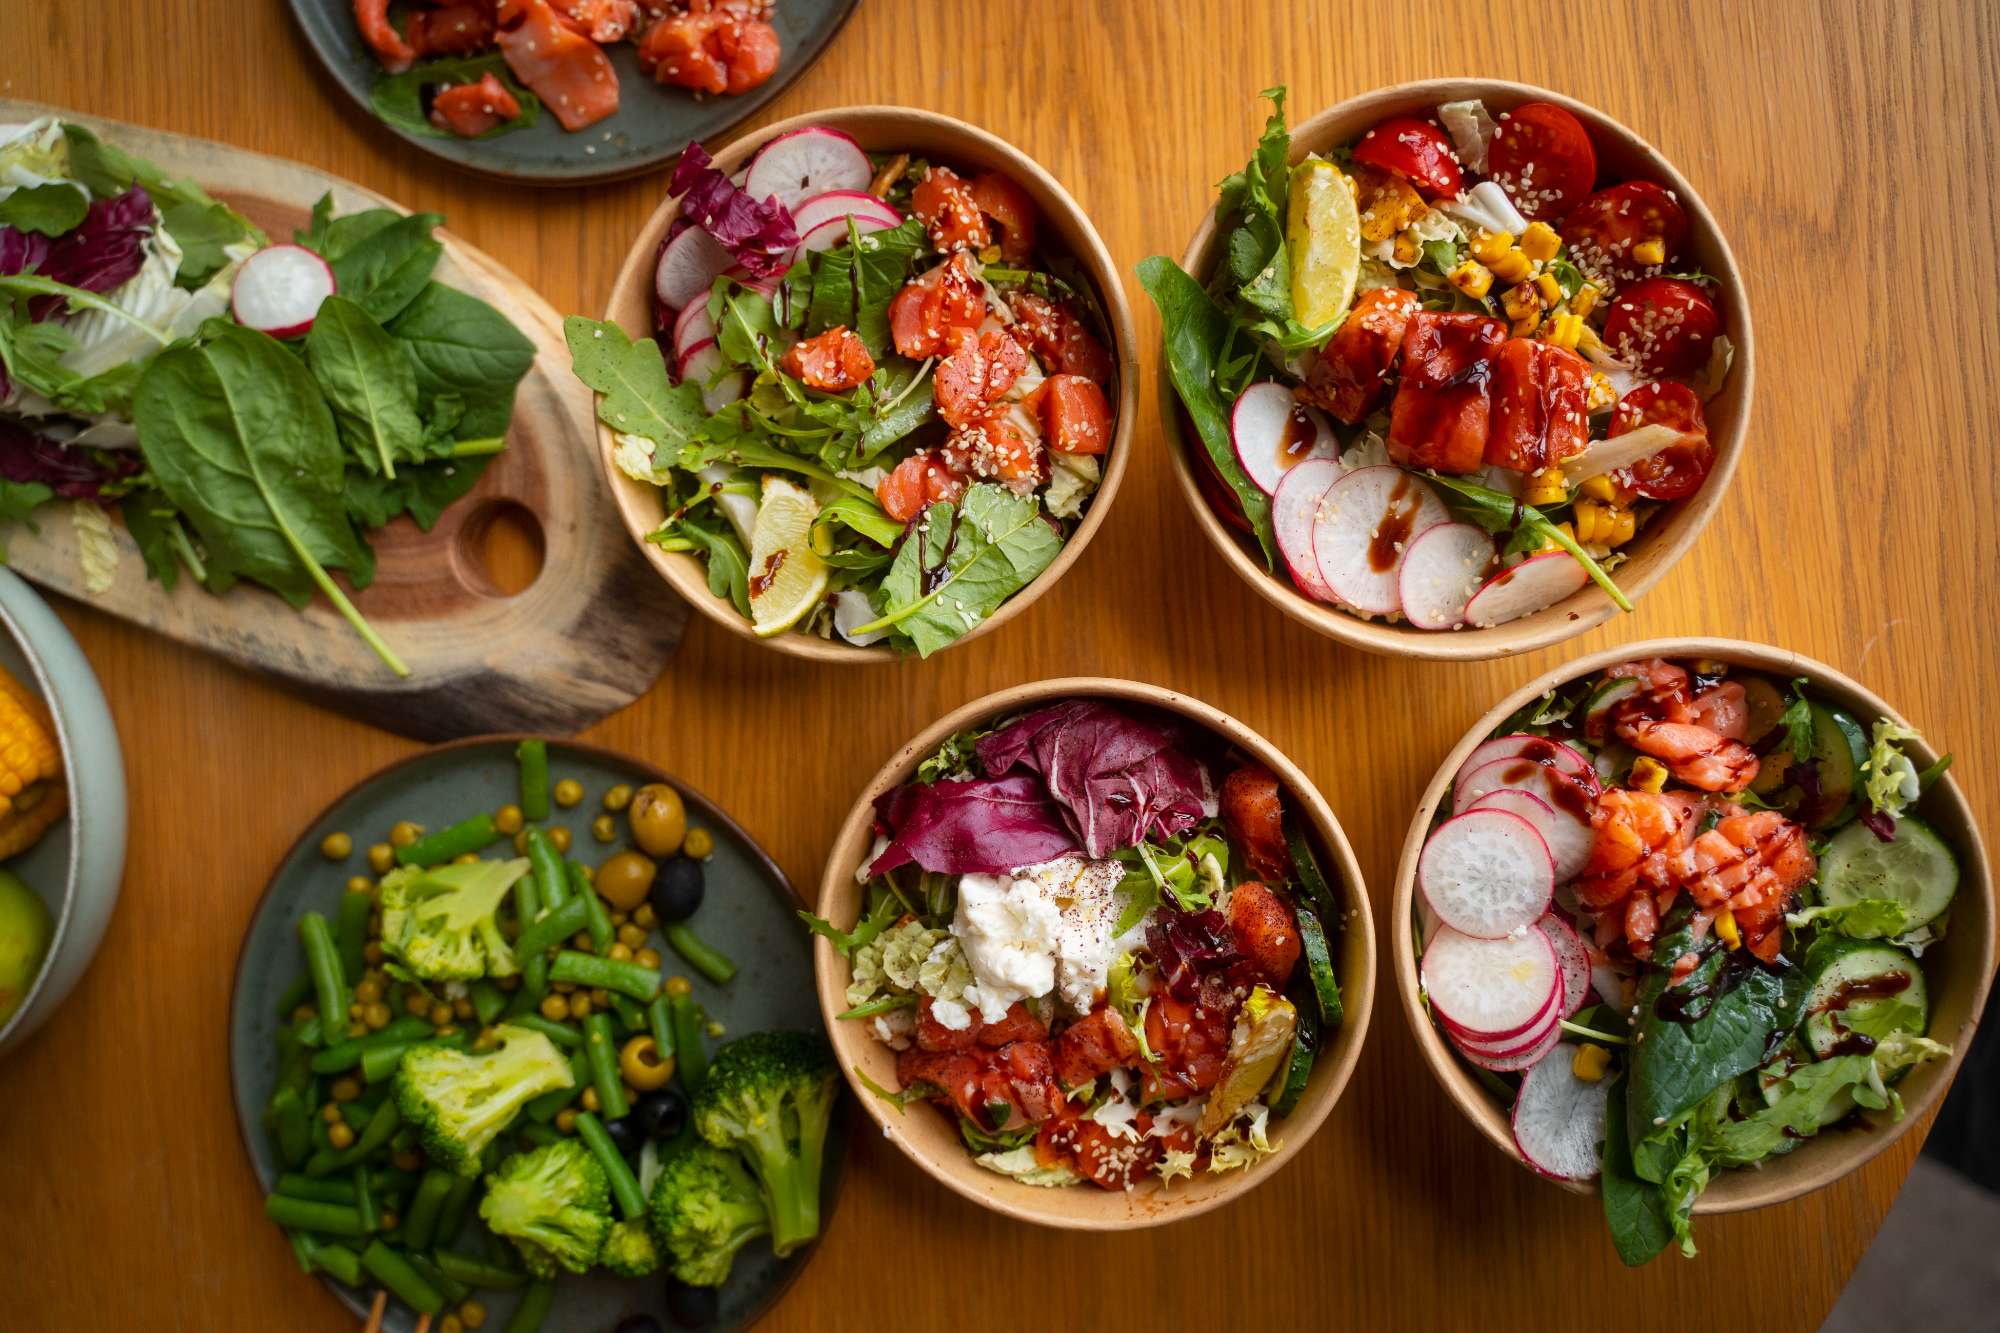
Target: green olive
x,y
624,879
336,846
659,820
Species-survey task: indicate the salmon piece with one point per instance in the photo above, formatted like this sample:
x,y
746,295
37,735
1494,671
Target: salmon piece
x,y
471,109
937,311
950,213
711,50
1020,1024
1028,1069
991,449
935,1036
602,21
956,1075
1075,418
1721,709
1347,378
1093,1045
1692,753
564,68
1192,1041
390,50
975,375
452,30
919,480
833,362
1637,833
1254,813
1058,337
1008,205
1265,931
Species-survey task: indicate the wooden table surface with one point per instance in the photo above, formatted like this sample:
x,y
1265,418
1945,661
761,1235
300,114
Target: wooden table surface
x,y
1845,148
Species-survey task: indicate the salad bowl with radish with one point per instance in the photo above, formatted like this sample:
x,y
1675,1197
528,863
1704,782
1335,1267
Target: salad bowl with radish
x,y
1461,368
1702,925
863,385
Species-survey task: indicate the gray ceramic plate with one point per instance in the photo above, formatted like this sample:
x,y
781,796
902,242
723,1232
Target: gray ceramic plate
x,y
749,913
653,123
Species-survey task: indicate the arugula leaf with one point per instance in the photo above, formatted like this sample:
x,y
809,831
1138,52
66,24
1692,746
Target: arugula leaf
x,y
1797,722
883,262
832,291
990,545
201,226
728,564
398,99
384,272
50,209
368,382
1497,511
904,402
463,347
1255,250
864,517
1635,1211
1198,338
745,330
881,915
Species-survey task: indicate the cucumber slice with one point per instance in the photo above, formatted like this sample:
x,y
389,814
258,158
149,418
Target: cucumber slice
x,y
1917,870
1764,703
1319,967
1839,748
1312,884
1296,1072
1597,713
1858,978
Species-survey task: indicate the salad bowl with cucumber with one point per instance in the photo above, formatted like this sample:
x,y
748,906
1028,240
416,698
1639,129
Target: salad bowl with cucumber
x,y
1698,925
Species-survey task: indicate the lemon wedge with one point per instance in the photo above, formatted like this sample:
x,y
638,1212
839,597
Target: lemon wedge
x,y
1323,233
787,578
1265,1026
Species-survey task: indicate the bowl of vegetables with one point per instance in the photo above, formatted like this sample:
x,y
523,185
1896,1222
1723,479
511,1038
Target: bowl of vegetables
x,y
1461,368
1689,907
547,1055
1094,954
882,389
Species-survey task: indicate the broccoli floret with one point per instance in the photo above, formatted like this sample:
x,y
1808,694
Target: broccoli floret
x,y
440,921
554,1203
629,1250
769,1096
460,1102
704,1207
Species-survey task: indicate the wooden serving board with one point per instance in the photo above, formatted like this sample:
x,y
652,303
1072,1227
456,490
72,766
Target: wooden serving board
x,y
588,636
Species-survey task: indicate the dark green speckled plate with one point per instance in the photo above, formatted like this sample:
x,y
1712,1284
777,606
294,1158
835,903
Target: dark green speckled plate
x,y
652,125
749,912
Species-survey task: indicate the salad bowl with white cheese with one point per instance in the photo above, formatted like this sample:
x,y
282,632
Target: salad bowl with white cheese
x,y
1094,954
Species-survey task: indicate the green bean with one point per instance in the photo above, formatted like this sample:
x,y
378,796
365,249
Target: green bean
x,y
294,995
587,969
347,1054
323,961
381,1126
337,1260
319,1191
451,1213
597,918
624,1185
454,1291
302,1250
405,1283
660,1022
533,1309
538,1134
350,932
289,1126
544,1108
420,1222
704,957
364,1202
487,1001
690,1056
333,1219
533,756
476,1272
548,869
354,1113
562,1034
381,1063
534,967
597,1047
631,1018
554,927
387,1180
433,849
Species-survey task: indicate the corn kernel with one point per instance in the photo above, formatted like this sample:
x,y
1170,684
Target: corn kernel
x,y
1601,487
1626,529
1548,289
1652,250
1488,246
1473,278
1525,326
1648,774
1590,1060
1545,488
1585,300
1513,266
1725,929
1520,301
1540,242
1564,330
1406,248
1602,395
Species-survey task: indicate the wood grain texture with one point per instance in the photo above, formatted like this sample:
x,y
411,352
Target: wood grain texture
x,y
557,655
1840,145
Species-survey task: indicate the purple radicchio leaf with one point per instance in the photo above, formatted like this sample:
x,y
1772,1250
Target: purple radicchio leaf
x,y
74,474
1118,776
980,826
759,234
1188,946
21,251
106,249
1882,825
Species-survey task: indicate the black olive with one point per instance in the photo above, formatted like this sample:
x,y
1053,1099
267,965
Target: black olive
x,y
677,890
627,1133
692,1307
638,1323
661,1115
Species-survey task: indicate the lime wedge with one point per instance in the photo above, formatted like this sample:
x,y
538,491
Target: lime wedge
x,y
1323,233
787,578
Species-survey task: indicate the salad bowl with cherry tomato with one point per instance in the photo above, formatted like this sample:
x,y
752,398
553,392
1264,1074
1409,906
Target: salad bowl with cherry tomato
x,y
1462,368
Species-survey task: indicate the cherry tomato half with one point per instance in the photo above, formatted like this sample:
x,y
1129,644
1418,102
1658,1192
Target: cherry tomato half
x,y
1663,326
1542,157
1602,230
1413,148
1679,469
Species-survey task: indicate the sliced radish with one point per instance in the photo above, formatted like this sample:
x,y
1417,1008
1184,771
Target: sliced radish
x,y
1559,1118
700,365
1569,839
1507,1064
688,268
1540,749
796,166
743,277
1442,567
1573,960
834,230
1519,1044
1500,987
1273,432
692,328
1294,510
1362,526
1564,793
1487,873
279,290
864,207
685,366
1535,584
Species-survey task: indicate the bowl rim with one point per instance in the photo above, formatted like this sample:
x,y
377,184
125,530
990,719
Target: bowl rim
x,y
1730,1191
684,574
1571,616
246,1132
1028,1203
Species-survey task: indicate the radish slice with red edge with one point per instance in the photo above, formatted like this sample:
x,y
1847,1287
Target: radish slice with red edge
x,y
1501,987
692,328
1273,432
1487,873
1442,567
1559,790
280,289
688,268
1559,1118
796,166
865,208
1537,749
1363,524
1572,959
1569,839
1535,584
1486,1043
1508,1064
835,230
1294,509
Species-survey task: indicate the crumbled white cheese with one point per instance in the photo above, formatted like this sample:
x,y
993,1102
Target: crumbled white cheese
x,y
1041,929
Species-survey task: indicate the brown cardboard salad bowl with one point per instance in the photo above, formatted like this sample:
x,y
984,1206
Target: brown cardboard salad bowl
x,y
1066,231
930,1137
1957,969
1621,155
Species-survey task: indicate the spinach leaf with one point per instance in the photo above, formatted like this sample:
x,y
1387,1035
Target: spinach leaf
x,y
1497,511
383,272
50,209
1634,1210
832,291
1198,336
883,262
462,346
153,524
728,565
369,383
864,517
988,547
636,397
241,442
331,237
421,490
201,226
398,99
1255,250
